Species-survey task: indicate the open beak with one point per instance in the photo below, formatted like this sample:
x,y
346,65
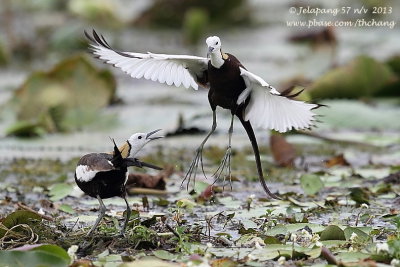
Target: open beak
x,y
148,136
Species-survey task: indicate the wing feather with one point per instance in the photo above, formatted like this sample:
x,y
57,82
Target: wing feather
x,y
269,110
186,79
165,72
171,69
157,71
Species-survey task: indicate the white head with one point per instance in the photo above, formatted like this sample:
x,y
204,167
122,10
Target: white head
x,y
214,44
139,140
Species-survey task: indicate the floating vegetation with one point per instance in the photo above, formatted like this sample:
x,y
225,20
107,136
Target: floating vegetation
x,y
51,101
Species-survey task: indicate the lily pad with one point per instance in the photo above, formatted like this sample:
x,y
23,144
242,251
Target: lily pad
x,y
19,217
351,256
25,129
311,184
66,208
293,227
45,255
59,191
48,100
165,255
364,76
361,235
333,232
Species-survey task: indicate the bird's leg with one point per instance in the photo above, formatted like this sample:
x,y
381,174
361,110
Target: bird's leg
x,y
128,215
226,160
198,158
101,215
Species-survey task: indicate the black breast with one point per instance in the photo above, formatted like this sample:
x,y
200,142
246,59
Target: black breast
x,y
105,184
226,83
108,181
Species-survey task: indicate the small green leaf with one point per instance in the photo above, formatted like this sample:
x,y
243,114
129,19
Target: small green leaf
x,y
165,255
162,202
351,256
361,235
25,129
19,217
314,252
332,232
66,208
271,240
59,191
311,184
277,230
186,204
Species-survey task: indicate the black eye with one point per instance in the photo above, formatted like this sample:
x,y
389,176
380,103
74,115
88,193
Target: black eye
x,y
139,137
216,43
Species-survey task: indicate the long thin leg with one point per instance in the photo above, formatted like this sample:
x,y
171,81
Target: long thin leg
x,y
102,211
199,155
226,160
128,215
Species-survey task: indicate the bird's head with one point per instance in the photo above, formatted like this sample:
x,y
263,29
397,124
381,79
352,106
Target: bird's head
x,y
139,140
214,44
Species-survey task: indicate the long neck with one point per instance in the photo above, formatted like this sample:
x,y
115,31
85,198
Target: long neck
x,y
253,140
216,59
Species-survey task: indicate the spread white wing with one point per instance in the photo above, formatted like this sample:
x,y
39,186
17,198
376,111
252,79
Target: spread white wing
x,y
188,71
269,109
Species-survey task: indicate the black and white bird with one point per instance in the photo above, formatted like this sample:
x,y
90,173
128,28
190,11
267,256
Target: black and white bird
x,y
231,86
104,175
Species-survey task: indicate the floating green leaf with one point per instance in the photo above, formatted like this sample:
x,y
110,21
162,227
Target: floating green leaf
x,y
271,240
66,208
19,217
25,129
59,191
165,255
311,184
361,235
49,100
44,256
332,232
364,76
186,204
351,256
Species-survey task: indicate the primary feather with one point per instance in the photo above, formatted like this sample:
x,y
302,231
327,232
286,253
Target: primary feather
x,y
171,69
268,109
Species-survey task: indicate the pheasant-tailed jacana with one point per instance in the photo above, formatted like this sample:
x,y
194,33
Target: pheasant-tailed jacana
x,y
104,175
231,86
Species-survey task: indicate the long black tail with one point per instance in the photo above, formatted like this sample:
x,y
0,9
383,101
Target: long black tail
x,y
250,133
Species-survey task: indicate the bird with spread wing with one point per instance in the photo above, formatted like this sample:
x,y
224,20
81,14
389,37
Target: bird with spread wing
x,y
231,86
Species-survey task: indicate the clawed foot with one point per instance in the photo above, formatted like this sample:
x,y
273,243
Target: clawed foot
x,y
198,159
224,169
